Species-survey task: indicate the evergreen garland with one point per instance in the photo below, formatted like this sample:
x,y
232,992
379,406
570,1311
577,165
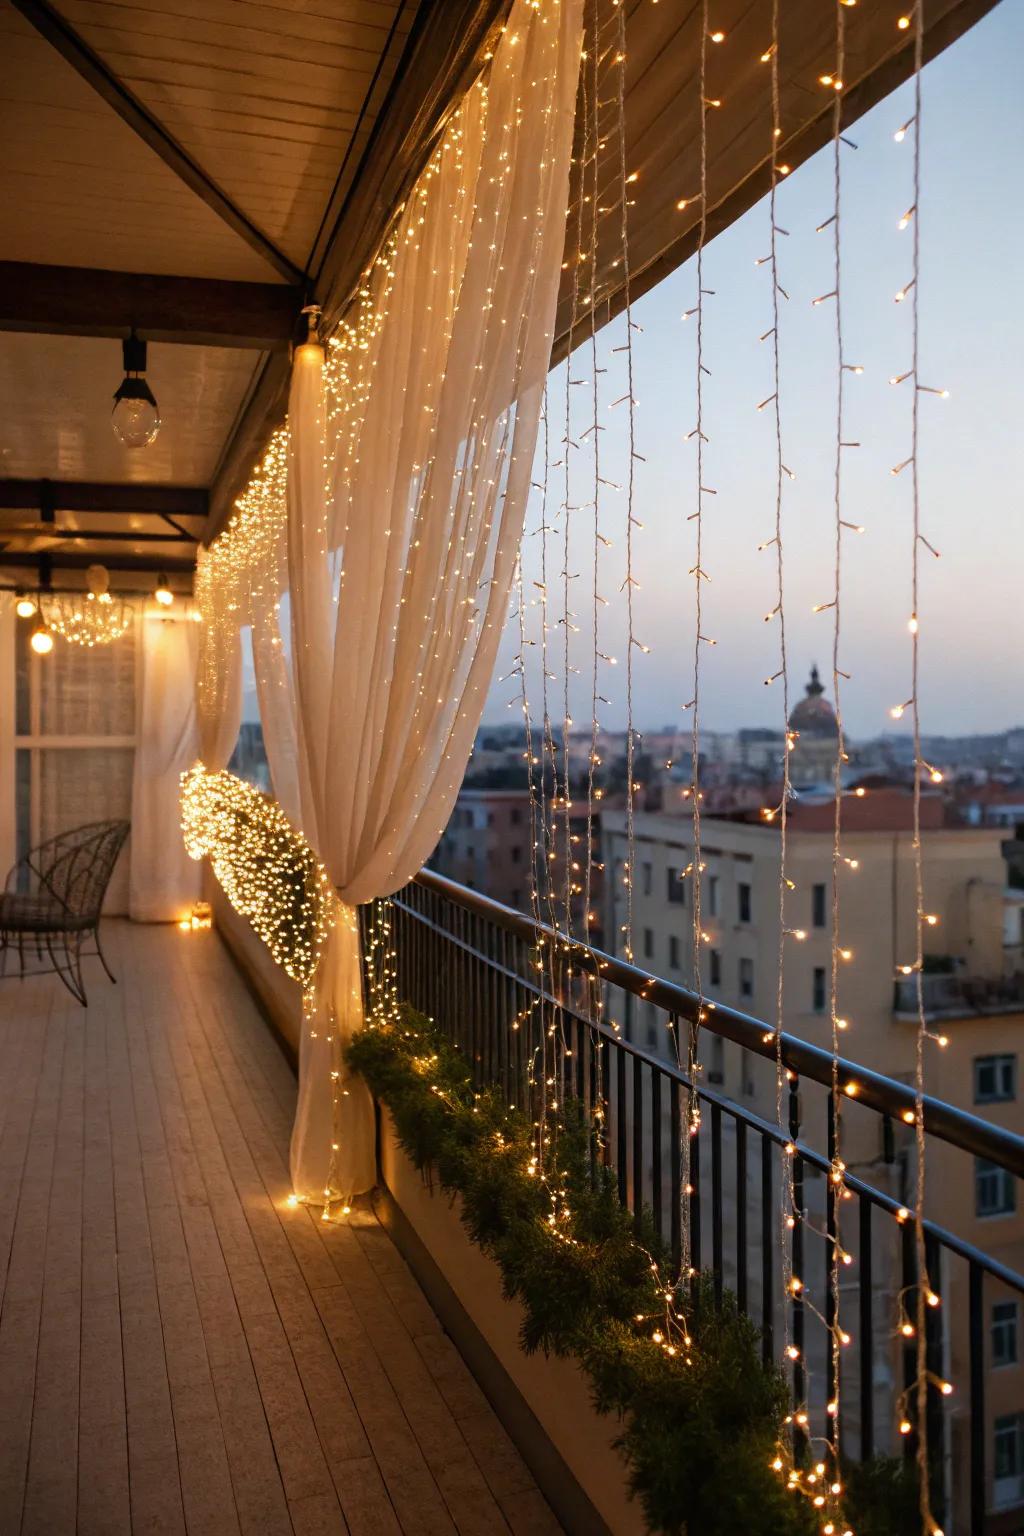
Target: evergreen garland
x,y
700,1428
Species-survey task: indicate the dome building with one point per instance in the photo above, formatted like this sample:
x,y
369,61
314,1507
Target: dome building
x,y
816,730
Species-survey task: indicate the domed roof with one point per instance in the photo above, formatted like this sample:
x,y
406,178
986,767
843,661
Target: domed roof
x,y
814,715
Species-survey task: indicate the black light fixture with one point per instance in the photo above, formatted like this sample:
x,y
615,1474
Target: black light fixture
x,y
136,417
162,592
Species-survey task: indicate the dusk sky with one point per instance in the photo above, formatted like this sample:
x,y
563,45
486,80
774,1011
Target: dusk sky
x,y
972,343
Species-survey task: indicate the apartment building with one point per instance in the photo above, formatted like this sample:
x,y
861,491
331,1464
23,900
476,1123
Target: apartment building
x,y
973,992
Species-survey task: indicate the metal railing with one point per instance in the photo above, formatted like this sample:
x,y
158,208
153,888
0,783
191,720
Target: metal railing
x,y
947,996
472,965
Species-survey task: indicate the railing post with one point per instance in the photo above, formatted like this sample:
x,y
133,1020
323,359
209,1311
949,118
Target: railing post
x,y
978,1427
797,1257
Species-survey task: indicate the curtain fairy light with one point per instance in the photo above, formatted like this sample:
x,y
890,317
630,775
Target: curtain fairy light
x,y
914,1404
690,1057
788,1213
388,511
835,1187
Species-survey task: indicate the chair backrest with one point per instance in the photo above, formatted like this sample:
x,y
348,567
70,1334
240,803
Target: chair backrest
x,y
75,866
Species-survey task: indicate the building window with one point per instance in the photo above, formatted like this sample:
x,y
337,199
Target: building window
x,y
995,1079
516,853
1008,1459
1004,1333
648,943
712,888
994,1192
715,968
746,977
743,901
648,873
716,1066
818,990
674,958
676,889
818,895
515,815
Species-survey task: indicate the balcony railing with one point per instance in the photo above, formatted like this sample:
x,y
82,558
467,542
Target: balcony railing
x,y
499,984
950,997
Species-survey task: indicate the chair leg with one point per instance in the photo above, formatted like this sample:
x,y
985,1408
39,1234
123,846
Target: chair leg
x,y
103,958
70,972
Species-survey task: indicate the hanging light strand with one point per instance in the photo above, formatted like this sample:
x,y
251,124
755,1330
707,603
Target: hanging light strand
x,y
787,1205
834,1190
924,1287
692,1128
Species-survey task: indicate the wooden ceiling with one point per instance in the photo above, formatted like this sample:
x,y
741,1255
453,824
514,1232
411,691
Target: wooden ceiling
x,y
197,169
200,169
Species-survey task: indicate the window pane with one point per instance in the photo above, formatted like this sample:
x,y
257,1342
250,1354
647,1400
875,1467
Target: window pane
x,y
87,691
78,785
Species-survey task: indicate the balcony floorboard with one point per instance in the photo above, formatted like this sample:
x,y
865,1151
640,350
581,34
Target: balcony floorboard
x,y
181,1352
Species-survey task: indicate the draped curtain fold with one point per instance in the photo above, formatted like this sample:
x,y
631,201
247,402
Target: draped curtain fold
x,y
164,883
390,511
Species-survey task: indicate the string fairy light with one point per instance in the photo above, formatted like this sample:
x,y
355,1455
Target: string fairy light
x,y
692,1126
788,1215
837,1167
90,618
265,867
925,1295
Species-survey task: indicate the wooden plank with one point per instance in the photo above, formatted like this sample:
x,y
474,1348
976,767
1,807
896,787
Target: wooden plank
x,y
240,1365
51,25
156,1502
200,311
51,1494
22,1298
90,496
414,1438
103,1494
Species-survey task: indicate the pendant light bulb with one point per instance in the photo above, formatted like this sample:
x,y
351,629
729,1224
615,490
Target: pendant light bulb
x,y
163,594
24,606
136,416
41,640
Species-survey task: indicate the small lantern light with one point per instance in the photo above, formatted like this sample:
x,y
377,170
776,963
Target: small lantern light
x,y
41,639
136,417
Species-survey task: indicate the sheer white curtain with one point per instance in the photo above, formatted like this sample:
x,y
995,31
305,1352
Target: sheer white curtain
x,y
405,470
218,692
164,882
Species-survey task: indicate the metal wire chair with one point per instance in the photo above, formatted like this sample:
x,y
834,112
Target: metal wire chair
x,y
52,902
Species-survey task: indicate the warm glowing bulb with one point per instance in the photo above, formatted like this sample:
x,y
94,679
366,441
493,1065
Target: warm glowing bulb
x,y
903,23
718,37
163,593
41,640
24,606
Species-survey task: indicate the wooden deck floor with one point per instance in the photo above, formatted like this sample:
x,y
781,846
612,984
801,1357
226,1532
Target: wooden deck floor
x,y
180,1351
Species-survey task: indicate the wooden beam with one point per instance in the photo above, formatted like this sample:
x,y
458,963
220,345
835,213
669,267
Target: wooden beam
x,y
19,561
92,496
97,535
71,46
443,54
206,312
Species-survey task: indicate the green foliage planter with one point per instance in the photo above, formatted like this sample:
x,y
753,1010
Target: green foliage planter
x,y
700,1428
